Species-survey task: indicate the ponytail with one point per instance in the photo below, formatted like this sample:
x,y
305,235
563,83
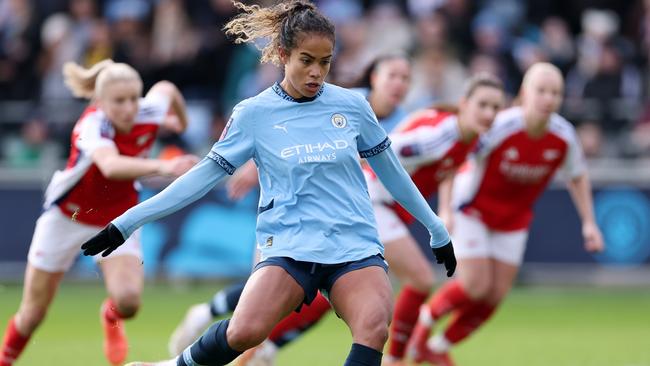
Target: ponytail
x,y
89,83
280,24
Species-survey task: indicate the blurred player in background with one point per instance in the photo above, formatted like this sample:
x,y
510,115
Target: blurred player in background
x,y
512,166
110,143
384,83
431,145
315,227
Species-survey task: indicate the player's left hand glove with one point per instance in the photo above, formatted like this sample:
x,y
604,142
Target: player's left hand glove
x,y
105,241
445,255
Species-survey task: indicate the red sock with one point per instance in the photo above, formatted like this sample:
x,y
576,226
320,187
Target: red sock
x,y
467,320
406,313
12,345
295,323
110,311
451,296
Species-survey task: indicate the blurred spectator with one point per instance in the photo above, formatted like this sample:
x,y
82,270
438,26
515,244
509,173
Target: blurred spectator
x,y
31,148
437,78
388,30
606,67
557,43
352,53
19,46
127,20
59,47
173,39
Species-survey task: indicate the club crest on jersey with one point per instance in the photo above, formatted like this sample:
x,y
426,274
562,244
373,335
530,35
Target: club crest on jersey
x,y
143,139
511,153
551,154
339,120
225,129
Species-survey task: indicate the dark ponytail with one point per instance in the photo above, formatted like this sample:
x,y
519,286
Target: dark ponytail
x,y
282,24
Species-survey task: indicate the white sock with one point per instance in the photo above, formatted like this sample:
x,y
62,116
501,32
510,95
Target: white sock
x,y
425,317
439,343
219,303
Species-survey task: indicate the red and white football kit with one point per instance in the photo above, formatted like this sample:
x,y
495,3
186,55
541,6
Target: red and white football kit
x,y
429,147
80,201
504,178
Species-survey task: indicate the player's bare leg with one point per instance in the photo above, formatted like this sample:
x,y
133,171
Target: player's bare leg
x,y
363,299
38,291
124,279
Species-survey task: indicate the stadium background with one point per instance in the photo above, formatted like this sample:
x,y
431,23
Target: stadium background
x,y
592,310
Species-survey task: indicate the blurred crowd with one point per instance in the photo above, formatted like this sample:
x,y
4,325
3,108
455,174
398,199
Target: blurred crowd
x,y
601,46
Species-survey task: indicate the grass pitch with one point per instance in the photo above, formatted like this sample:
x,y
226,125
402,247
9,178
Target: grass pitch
x,y
535,326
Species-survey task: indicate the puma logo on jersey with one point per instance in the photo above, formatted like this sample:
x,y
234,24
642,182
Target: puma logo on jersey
x,y
282,127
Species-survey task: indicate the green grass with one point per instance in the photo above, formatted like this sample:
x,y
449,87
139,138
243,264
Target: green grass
x,y
536,326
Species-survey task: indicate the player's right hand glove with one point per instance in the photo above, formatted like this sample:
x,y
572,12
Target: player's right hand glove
x,y
105,241
445,254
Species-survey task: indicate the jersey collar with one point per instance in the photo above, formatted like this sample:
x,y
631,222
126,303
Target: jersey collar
x,y
279,91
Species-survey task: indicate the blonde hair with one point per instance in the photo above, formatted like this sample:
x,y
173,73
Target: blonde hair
x,y
281,24
541,67
89,83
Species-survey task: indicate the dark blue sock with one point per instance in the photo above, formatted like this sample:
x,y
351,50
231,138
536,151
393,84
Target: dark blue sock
x,y
211,349
361,355
225,301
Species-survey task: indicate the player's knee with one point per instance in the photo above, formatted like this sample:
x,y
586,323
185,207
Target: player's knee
x,y
245,335
127,302
499,292
373,327
478,288
422,281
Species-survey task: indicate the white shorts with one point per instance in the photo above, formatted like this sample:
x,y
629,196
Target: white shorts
x,y
473,239
57,242
389,226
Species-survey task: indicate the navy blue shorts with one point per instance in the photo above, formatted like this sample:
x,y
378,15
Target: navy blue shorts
x,y
317,276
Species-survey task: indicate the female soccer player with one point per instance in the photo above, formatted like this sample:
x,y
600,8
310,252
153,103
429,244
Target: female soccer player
x,y
108,144
384,84
315,226
514,163
431,145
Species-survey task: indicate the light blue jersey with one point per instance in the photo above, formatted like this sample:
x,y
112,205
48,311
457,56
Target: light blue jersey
x,y
314,202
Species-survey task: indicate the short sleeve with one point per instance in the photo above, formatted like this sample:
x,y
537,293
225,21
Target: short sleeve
x,y
372,138
421,145
574,163
94,132
153,108
236,145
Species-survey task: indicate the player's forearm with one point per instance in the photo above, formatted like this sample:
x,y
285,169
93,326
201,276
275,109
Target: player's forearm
x,y
186,189
580,190
179,108
120,167
401,187
444,194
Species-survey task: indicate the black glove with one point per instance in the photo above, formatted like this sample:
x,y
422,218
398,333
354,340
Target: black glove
x,y
105,241
445,254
